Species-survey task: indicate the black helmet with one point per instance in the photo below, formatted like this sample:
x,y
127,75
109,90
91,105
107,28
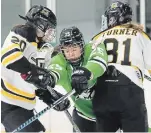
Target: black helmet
x,y
118,13
72,36
41,17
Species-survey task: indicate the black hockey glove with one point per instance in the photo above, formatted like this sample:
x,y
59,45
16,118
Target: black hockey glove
x,y
112,71
80,79
49,99
39,77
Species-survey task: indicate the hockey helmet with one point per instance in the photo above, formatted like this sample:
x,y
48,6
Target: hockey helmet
x,y
70,37
118,13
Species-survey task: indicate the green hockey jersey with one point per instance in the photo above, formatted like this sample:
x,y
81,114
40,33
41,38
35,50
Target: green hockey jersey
x,y
95,60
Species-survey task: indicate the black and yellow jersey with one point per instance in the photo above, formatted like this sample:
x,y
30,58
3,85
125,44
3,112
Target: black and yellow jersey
x,y
17,54
128,49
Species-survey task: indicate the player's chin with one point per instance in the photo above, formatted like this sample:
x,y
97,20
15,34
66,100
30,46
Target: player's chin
x,y
74,60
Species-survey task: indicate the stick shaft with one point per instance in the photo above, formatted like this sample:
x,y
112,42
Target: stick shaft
x,y
35,117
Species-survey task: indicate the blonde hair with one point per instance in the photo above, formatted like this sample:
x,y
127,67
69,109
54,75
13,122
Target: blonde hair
x,y
134,26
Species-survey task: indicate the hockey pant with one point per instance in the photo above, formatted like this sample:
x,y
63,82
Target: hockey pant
x,y
13,116
83,124
119,103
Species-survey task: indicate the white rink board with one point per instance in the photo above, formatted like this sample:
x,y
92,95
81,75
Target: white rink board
x,y
54,121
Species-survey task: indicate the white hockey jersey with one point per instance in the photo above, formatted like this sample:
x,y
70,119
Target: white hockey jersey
x,y
14,90
129,50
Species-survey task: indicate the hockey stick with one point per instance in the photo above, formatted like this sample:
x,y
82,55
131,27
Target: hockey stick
x,y
35,117
75,127
147,77
46,63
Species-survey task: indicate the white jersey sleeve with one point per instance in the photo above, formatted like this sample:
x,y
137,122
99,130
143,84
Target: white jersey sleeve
x,y
146,43
18,56
18,52
17,48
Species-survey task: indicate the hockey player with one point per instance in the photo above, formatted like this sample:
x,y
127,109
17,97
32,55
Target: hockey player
x,y
120,100
19,72
77,67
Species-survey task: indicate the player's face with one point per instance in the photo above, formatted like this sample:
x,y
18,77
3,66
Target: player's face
x,y
72,52
47,36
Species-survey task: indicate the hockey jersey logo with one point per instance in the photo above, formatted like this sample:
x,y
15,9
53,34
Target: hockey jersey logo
x,y
37,58
87,94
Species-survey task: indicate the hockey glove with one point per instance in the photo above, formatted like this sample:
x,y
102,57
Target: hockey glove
x,y
80,79
112,71
49,99
39,77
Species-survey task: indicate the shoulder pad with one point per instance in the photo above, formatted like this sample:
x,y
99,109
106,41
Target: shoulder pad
x,y
94,37
25,31
101,32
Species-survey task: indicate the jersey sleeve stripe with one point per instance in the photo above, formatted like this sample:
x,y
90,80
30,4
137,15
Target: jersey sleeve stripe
x,y
97,35
5,50
145,35
83,116
56,75
13,90
136,68
34,44
9,53
149,72
12,58
100,59
16,97
99,63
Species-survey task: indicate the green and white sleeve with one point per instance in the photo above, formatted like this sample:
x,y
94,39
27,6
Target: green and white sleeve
x,y
97,62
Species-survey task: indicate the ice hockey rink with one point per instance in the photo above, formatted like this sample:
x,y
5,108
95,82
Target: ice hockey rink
x,y
88,19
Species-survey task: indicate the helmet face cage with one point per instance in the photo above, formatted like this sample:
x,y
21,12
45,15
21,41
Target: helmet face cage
x,y
72,37
104,25
44,21
49,35
41,17
118,13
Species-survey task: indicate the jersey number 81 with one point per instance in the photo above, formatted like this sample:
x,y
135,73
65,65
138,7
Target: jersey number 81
x,y
114,51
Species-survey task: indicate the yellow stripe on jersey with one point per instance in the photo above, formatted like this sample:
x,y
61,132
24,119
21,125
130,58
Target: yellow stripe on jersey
x,y
145,35
97,36
34,44
5,50
11,58
18,91
136,68
15,97
100,33
149,72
